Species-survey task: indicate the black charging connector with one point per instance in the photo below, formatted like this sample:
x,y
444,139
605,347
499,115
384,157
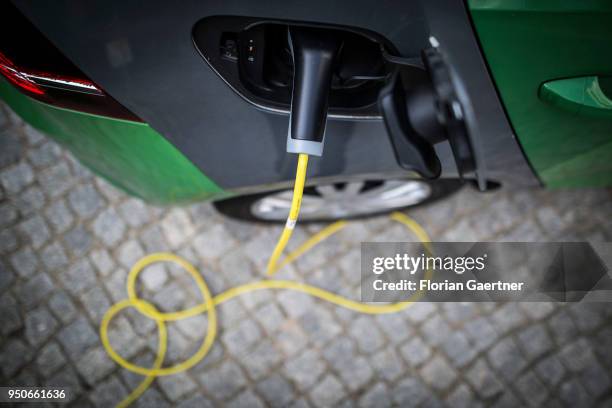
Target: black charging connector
x,y
314,54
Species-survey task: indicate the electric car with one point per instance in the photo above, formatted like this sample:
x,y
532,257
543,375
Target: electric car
x,y
177,103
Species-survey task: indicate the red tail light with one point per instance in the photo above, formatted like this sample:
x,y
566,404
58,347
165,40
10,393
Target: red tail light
x,y
31,63
17,78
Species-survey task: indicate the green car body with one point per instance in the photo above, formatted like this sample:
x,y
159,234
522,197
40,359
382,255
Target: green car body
x,y
548,59
530,44
131,155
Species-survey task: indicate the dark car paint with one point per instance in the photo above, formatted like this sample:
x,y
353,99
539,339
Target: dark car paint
x,y
143,55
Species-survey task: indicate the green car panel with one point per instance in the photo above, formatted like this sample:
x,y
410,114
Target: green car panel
x,y
131,155
530,46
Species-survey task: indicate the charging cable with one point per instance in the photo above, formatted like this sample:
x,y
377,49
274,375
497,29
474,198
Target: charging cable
x,y
296,202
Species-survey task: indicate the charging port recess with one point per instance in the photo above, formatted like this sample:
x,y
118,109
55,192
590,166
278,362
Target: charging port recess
x,y
253,57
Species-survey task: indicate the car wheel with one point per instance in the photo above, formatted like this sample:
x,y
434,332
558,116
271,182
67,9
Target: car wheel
x,y
329,202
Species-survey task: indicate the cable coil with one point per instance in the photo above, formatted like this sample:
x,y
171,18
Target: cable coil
x,y
210,302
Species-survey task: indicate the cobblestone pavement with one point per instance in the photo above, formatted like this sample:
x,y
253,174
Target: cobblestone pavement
x,y
67,240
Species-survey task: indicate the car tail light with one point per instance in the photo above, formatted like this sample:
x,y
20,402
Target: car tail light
x,y
32,64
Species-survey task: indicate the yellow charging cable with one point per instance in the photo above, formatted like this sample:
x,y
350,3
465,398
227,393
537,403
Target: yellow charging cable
x,y
209,302
294,211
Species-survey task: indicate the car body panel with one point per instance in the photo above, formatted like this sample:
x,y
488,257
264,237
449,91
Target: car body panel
x,y
531,43
144,58
131,155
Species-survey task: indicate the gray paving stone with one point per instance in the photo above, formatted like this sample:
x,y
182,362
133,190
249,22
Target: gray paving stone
x,y
276,391
563,327
535,341
123,337
68,380
96,302
224,381
246,399
299,403
574,395
416,352
111,193
259,362
56,180
17,177
77,337
109,227
321,325
578,355
213,242
78,240
481,332
8,214
531,389
108,393
36,230
508,400
176,386
171,296
376,396
35,290
59,216
9,310
550,370
46,154
596,379
54,257
458,349
327,392
506,358
25,262
461,397
388,364
134,212
50,359
435,330
304,369
241,338
39,326
537,310
177,227
270,317
15,354
129,253
11,149
85,201
368,336
153,398
483,379
508,317
354,372
33,136
79,277
154,277
339,352
410,392
78,169
31,200
102,261
438,374
94,365
8,240
295,304
63,308
153,239
587,316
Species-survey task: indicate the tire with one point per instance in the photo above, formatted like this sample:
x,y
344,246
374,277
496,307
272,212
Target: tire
x,y
247,207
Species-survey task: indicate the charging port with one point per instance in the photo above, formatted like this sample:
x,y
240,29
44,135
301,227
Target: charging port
x,y
254,58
